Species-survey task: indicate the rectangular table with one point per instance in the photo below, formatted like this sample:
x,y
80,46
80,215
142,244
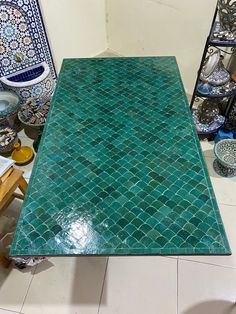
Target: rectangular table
x,y
120,169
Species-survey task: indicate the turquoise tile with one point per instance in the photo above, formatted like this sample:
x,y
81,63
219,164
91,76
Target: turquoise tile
x,y
119,170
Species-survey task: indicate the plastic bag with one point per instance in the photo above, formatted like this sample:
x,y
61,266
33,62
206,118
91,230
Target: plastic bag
x,y
22,263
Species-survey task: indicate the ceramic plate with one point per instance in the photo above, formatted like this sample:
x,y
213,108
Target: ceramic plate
x,y
211,63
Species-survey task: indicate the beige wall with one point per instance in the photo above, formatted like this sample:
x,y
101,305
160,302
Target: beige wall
x,y
75,28
161,27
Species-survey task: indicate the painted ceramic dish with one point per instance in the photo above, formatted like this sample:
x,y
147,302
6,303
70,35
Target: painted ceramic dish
x,y
204,88
223,171
33,115
9,104
219,77
8,137
208,110
225,151
210,64
207,128
214,71
217,91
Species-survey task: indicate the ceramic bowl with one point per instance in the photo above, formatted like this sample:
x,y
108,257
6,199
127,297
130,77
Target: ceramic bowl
x,y
207,128
9,104
7,142
223,171
22,154
225,151
31,112
214,72
204,88
210,64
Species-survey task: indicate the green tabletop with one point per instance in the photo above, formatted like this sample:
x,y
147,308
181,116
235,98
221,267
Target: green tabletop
x,y
119,169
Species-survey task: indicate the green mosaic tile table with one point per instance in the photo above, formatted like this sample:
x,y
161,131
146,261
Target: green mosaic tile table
x,y
120,170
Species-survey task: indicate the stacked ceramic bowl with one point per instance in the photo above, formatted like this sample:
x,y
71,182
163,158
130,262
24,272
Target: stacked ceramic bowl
x,y
8,137
33,115
215,80
207,117
225,152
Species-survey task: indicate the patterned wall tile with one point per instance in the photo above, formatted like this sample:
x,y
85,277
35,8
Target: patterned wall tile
x,y
23,38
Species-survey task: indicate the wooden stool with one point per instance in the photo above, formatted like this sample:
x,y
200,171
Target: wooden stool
x,y
10,181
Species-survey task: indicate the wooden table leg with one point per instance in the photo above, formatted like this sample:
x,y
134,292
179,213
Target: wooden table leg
x,y
10,181
23,185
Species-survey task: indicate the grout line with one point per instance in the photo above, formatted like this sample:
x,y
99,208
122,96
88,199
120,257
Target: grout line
x,y
205,263
177,305
116,53
104,278
169,257
28,289
232,205
10,311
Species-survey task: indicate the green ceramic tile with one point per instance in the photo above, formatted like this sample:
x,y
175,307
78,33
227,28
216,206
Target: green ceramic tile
x,y
119,170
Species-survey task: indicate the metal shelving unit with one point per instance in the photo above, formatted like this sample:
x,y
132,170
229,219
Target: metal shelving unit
x,y
210,46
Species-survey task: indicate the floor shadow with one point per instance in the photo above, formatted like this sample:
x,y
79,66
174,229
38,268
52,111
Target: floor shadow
x,y
45,265
209,153
89,277
213,307
4,273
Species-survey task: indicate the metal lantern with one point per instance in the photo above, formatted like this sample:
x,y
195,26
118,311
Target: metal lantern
x,y
227,14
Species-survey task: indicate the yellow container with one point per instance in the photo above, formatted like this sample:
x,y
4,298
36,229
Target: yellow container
x,y
22,154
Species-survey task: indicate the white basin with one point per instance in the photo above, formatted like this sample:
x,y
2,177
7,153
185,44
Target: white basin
x,y
33,82
9,104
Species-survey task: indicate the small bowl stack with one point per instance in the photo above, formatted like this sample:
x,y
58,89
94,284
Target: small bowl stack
x,y
8,137
225,152
33,115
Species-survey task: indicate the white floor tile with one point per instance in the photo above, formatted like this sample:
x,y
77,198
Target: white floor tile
x,y
22,134
224,188
7,312
137,285
13,287
72,285
14,209
206,289
228,214
208,148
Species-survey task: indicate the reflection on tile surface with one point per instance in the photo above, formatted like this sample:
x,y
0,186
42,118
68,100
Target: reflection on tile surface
x,y
120,170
